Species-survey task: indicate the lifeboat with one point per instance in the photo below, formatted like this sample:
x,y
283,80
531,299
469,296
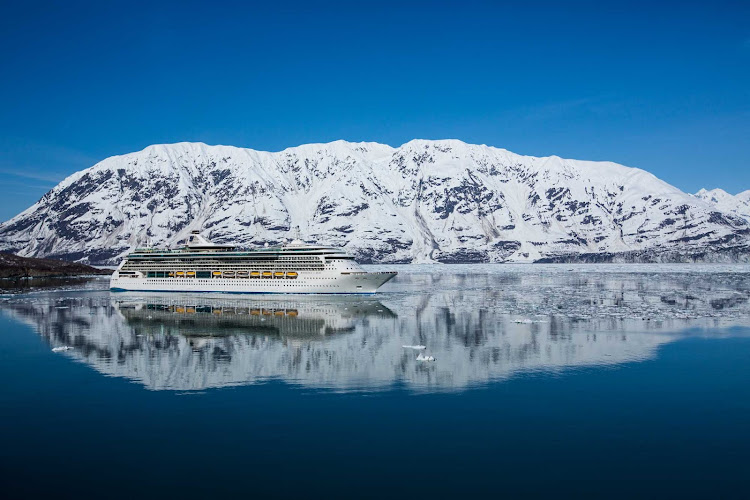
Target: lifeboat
x,y
279,313
242,274
255,312
267,274
216,274
180,274
217,311
228,274
267,312
255,274
291,275
278,274
171,274
190,274
291,312
179,309
190,310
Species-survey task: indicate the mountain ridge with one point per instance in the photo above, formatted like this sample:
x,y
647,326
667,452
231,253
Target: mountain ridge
x,y
424,201
738,204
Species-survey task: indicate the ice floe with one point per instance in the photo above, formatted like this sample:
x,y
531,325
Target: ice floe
x,y
422,357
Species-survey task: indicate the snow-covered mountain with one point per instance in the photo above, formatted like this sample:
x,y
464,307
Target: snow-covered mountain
x,y
443,201
738,204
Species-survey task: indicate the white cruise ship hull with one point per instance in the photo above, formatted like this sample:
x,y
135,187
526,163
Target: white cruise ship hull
x,y
317,283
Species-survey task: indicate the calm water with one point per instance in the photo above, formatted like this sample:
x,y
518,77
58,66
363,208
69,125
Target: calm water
x,y
601,381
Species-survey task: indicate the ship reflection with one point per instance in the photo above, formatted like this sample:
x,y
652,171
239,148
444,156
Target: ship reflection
x,y
206,317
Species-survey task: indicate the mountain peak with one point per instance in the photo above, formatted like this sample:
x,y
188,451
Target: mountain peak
x,y
738,205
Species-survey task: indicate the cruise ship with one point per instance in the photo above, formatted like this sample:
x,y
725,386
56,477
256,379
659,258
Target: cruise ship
x,y
203,266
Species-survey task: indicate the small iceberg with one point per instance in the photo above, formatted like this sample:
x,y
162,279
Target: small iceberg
x,y
61,349
418,347
525,321
422,357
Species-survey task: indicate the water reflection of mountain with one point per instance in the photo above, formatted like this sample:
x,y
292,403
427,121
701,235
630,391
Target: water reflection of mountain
x,y
479,328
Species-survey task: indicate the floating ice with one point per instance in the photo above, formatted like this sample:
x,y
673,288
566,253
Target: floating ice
x,y
422,357
414,347
61,349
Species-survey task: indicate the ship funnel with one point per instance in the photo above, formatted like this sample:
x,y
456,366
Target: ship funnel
x,y
197,240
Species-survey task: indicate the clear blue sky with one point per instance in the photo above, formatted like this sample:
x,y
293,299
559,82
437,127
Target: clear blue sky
x,y
657,85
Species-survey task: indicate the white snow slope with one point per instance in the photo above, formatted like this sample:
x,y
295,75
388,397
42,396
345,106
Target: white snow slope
x,y
426,201
738,204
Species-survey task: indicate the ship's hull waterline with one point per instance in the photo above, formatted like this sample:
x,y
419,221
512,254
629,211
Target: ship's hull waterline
x,y
201,266
365,283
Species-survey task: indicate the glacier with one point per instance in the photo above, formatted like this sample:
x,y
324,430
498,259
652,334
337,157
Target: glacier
x,y
423,202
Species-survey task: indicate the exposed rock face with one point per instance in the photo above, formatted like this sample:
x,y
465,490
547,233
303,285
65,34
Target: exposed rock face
x,y
13,266
426,201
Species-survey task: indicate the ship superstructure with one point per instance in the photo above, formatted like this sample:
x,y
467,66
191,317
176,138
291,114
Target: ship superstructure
x,y
202,266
